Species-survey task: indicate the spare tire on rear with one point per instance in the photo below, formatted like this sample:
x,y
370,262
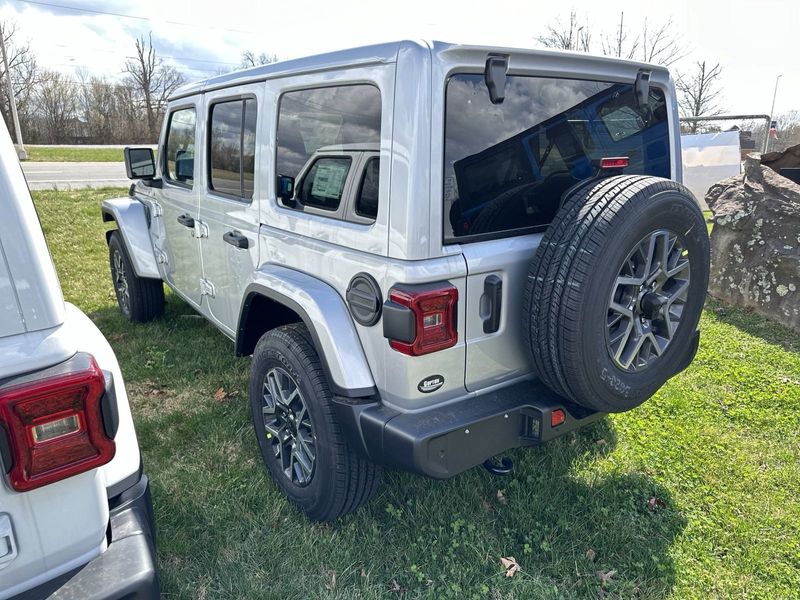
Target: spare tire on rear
x,y
615,291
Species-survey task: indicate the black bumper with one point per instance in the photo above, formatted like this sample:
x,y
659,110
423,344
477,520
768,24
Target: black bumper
x,y
445,440
127,569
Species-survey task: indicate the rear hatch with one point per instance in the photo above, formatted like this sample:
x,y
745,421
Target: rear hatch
x,y
506,167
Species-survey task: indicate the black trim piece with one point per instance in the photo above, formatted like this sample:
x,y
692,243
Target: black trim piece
x,y
256,289
399,322
6,459
236,239
493,290
115,491
444,440
364,299
109,408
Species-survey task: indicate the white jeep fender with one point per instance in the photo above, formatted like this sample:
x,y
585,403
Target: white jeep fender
x,y
325,315
131,218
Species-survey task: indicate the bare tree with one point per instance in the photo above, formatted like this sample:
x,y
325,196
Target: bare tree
x,y
251,59
153,80
24,74
659,44
56,106
568,36
699,94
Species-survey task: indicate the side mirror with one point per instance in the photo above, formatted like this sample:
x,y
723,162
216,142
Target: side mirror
x,y
285,189
140,163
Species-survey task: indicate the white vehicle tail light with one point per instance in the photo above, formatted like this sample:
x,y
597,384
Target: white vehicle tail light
x,y
55,425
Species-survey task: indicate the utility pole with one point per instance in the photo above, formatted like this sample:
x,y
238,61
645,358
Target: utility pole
x,y
11,100
772,113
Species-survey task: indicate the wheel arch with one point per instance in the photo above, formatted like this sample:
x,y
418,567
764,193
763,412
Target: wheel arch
x,y
278,296
134,226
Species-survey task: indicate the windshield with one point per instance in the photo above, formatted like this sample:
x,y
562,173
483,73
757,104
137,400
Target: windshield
x,y
507,165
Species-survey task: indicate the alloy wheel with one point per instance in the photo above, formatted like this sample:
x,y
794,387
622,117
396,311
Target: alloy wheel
x,y
647,300
288,426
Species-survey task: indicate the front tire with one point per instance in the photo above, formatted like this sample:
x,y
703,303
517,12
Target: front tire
x,y
140,299
300,440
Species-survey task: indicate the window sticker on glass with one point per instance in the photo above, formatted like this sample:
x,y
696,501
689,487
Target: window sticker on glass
x,y
329,180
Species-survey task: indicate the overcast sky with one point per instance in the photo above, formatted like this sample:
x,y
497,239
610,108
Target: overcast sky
x,y
754,40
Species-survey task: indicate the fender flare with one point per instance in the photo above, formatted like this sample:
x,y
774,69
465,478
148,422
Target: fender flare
x,y
132,221
325,315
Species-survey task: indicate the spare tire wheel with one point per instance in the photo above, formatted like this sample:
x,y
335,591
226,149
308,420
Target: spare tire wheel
x,y
615,290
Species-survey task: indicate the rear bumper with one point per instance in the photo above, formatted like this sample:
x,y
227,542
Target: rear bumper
x,y
127,569
445,440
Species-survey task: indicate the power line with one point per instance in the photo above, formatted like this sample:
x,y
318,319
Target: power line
x,y
186,58
135,17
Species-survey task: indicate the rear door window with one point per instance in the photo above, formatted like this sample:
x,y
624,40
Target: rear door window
x,y
320,132
231,148
507,165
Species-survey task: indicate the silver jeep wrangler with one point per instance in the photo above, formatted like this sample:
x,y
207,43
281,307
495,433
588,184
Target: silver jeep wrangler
x,y
433,252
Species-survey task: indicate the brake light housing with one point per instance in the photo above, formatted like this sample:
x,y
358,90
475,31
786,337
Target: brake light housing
x,y
420,319
614,162
55,424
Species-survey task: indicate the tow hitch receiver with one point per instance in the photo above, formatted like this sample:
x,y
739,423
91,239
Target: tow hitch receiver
x,y
506,466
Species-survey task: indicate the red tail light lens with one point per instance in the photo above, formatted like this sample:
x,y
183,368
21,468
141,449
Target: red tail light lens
x,y
54,423
614,162
433,309
557,417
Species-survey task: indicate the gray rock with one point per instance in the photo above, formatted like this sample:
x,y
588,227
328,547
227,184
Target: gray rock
x,y
755,242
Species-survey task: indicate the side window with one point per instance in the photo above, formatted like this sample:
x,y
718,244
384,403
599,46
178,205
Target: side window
x,y
323,184
180,146
367,199
320,131
231,148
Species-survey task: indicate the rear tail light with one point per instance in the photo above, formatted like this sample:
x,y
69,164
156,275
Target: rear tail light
x,y
614,162
55,424
557,417
421,319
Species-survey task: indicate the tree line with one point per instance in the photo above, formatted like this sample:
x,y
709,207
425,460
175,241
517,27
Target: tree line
x,y
88,109
56,109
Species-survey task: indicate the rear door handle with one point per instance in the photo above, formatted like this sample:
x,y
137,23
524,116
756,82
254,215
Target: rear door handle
x,y
237,239
493,290
186,221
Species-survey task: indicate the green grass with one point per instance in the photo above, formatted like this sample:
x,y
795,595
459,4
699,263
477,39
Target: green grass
x,y
62,154
693,495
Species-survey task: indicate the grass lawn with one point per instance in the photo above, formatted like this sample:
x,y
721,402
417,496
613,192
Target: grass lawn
x,y
696,494
62,154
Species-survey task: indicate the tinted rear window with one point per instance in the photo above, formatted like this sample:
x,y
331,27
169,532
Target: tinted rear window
x,y
507,165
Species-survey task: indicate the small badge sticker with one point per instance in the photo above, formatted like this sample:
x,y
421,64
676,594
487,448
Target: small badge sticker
x,y
431,384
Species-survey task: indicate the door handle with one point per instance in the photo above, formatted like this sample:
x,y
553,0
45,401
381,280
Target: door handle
x,y
237,239
493,290
186,221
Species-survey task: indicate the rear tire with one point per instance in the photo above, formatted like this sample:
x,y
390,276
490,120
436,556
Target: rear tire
x,y
299,437
606,326
140,299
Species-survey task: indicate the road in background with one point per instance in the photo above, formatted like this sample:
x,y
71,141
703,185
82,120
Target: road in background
x,y
74,175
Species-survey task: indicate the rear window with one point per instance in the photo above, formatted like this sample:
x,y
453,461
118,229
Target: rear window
x,y
507,165
231,148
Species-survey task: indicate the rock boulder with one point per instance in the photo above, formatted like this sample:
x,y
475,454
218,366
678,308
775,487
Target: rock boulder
x,y
755,242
